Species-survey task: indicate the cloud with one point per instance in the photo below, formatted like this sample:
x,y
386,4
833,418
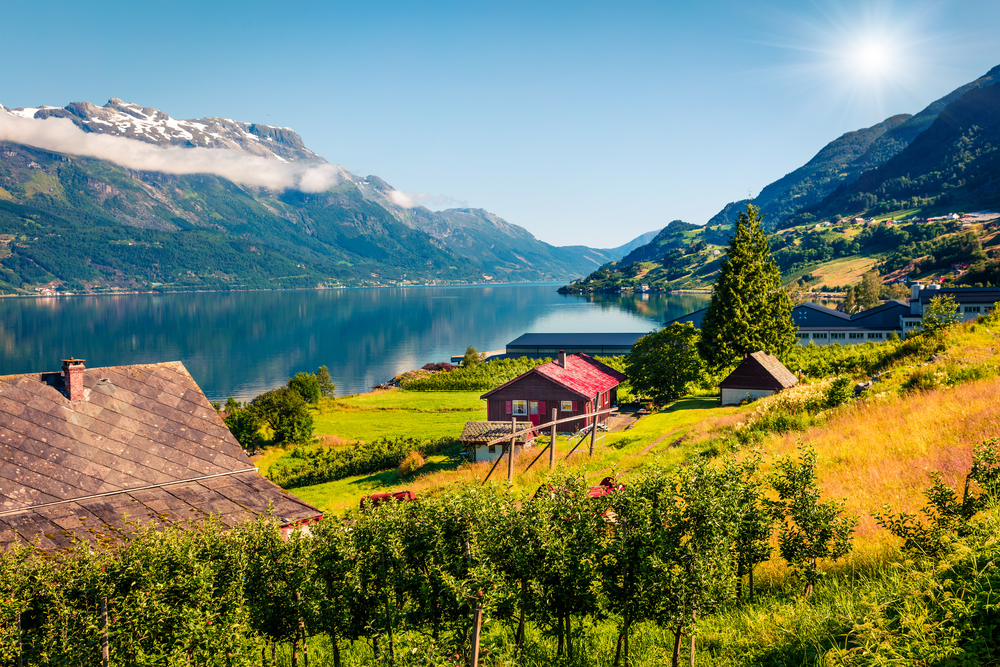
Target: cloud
x,y
434,202
62,136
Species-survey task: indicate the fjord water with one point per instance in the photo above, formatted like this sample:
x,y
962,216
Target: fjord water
x,y
244,343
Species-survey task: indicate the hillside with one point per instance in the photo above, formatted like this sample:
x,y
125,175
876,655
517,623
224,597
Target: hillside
x,y
843,161
138,200
954,163
951,165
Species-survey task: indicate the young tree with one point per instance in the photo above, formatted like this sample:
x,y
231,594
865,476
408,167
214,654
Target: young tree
x,y
663,363
307,386
870,290
851,301
751,518
242,422
472,357
808,529
326,385
941,314
749,310
286,413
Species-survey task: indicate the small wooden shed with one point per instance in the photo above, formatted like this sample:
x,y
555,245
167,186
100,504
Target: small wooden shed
x,y
759,375
476,434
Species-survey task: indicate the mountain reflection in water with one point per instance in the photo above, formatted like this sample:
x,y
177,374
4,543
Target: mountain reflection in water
x,y
243,343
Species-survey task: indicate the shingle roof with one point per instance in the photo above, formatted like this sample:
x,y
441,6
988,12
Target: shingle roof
x,y
145,429
582,375
759,371
480,431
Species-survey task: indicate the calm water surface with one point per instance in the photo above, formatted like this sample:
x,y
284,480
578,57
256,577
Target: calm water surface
x,y
242,344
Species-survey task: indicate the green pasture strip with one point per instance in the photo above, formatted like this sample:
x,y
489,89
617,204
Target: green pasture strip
x,y
367,417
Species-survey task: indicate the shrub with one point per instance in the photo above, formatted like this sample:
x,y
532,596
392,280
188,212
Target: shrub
x,y
839,392
412,463
923,379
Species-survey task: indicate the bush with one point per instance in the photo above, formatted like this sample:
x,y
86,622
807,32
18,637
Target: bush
x,y
923,379
412,463
839,392
307,386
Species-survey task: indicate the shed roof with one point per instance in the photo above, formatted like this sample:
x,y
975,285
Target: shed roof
x,y
141,434
480,431
582,375
760,370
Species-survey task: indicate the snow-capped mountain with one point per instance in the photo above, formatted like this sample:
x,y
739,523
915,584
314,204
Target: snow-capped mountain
x,y
126,119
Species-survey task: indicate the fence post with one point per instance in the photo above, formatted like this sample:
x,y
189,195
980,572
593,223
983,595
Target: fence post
x,y
477,623
552,447
593,424
105,656
510,451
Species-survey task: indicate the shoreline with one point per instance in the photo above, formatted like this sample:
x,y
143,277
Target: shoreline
x,y
277,289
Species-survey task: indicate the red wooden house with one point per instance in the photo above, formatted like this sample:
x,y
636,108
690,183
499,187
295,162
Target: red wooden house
x,y
569,384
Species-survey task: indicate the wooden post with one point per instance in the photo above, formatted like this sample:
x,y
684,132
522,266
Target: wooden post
x,y
510,451
105,654
477,622
593,425
552,445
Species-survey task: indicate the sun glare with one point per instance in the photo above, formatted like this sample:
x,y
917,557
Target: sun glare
x,y
871,59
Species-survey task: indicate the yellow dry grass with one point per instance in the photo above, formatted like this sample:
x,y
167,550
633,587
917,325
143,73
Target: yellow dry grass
x,y
885,453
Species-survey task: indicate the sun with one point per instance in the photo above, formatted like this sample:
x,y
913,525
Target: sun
x,y
871,59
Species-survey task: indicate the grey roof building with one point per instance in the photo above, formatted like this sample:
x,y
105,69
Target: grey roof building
x,y
81,449
541,345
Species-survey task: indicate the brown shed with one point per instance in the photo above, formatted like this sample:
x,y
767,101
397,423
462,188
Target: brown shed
x,y
569,384
759,375
81,449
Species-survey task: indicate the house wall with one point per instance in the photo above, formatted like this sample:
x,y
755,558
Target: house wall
x,y
737,396
483,452
534,387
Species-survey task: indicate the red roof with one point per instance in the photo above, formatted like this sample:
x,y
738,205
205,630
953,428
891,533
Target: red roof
x,y
582,375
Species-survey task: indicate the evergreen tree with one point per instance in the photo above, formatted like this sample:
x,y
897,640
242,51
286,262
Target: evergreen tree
x,y
749,310
326,385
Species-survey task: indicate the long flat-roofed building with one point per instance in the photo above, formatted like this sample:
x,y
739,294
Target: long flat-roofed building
x,y
542,345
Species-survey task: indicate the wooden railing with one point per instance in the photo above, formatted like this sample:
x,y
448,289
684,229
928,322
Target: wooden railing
x,y
509,440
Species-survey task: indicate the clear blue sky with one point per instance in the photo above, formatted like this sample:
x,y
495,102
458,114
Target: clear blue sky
x,y
583,122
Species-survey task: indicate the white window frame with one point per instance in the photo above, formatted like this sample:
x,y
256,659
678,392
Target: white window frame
x,y
566,406
519,408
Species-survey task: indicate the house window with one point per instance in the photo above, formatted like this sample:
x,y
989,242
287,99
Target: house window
x,y
803,335
972,309
874,335
857,335
566,406
836,335
493,449
819,335
520,408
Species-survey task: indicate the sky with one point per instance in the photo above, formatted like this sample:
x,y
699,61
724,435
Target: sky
x,y
584,122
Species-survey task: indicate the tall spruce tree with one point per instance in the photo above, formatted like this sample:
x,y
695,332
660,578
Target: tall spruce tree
x,y
749,309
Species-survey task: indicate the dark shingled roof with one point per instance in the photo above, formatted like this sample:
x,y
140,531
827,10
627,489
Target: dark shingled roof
x,y
760,370
144,441
476,431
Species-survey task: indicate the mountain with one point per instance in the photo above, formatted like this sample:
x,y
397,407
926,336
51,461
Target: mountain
x,y
129,198
954,163
842,161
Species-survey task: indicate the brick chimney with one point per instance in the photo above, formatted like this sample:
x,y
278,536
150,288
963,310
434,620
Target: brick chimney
x,y
73,378
562,358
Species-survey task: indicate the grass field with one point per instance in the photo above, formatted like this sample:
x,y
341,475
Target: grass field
x,y
393,412
613,452
844,271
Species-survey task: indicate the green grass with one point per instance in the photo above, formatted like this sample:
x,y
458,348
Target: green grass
x,y
427,414
447,468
